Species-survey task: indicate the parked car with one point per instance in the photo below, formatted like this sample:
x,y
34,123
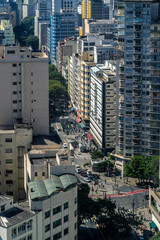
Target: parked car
x,y
78,170
65,145
95,176
84,174
91,178
89,172
87,179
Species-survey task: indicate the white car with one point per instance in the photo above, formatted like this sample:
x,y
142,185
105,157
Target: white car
x,y
86,179
89,172
77,166
78,170
65,145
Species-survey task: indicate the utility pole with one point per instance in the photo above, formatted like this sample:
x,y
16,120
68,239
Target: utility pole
x,y
133,204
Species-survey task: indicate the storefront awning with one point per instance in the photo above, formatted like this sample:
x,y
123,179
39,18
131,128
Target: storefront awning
x,y
153,225
78,120
82,125
89,136
78,115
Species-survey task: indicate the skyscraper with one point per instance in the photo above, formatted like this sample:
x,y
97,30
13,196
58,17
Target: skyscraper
x,y
139,98
63,23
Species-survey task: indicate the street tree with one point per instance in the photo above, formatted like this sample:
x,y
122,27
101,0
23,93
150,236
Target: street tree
x,y
142,167
33,41
102,166
97,154
56,90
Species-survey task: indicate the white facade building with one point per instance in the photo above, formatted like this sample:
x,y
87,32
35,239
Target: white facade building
x,y
102,105
24,88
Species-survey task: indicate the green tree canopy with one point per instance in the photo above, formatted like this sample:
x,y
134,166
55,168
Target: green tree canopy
x,y
33,41
143,168
56,90
102,166
97,154
109,219
28,25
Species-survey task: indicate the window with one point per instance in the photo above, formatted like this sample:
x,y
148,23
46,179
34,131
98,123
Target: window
x,y
66,205
43,173
57,223
9,161
75,226
57,210
66,218
8,140
48,238
8,150
14,101
24,238
14,83
14,92
66,231
14,233
9,182
14,110
11,52
57,236
14,65
2,208
35,174
14,74
9,171
22,229
47,214
75,200
29,225
29,237
75,213
47,227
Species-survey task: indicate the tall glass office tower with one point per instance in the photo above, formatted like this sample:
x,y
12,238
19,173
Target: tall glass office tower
x,y
63,23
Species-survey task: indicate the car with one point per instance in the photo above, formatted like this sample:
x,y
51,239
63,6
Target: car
x,y
89,172
86,179
91,178
95,176
79,153
65,145
77,166
84,174
78,170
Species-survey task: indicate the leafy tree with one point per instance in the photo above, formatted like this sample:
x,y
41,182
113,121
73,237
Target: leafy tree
x,y
87,208
28,25
33,41
144,168
102,166
109,219
97,154
56,90
52,68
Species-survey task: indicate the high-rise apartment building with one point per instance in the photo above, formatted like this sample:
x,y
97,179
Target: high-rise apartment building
x,y
24,88
8,34
139,95
63,23
102,105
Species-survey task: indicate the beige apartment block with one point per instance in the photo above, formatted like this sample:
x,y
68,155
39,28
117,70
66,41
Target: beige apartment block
x,y
13,145
24,88
85,84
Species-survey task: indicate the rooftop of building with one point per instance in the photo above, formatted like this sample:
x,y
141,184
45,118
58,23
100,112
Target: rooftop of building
x,y
10,129
46,142
16,214
46,188
4,198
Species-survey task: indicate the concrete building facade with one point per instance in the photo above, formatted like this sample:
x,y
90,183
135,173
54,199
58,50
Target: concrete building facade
x,y
24,88
102,105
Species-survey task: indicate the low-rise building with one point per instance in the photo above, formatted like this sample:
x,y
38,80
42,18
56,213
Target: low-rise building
x,y
102,105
